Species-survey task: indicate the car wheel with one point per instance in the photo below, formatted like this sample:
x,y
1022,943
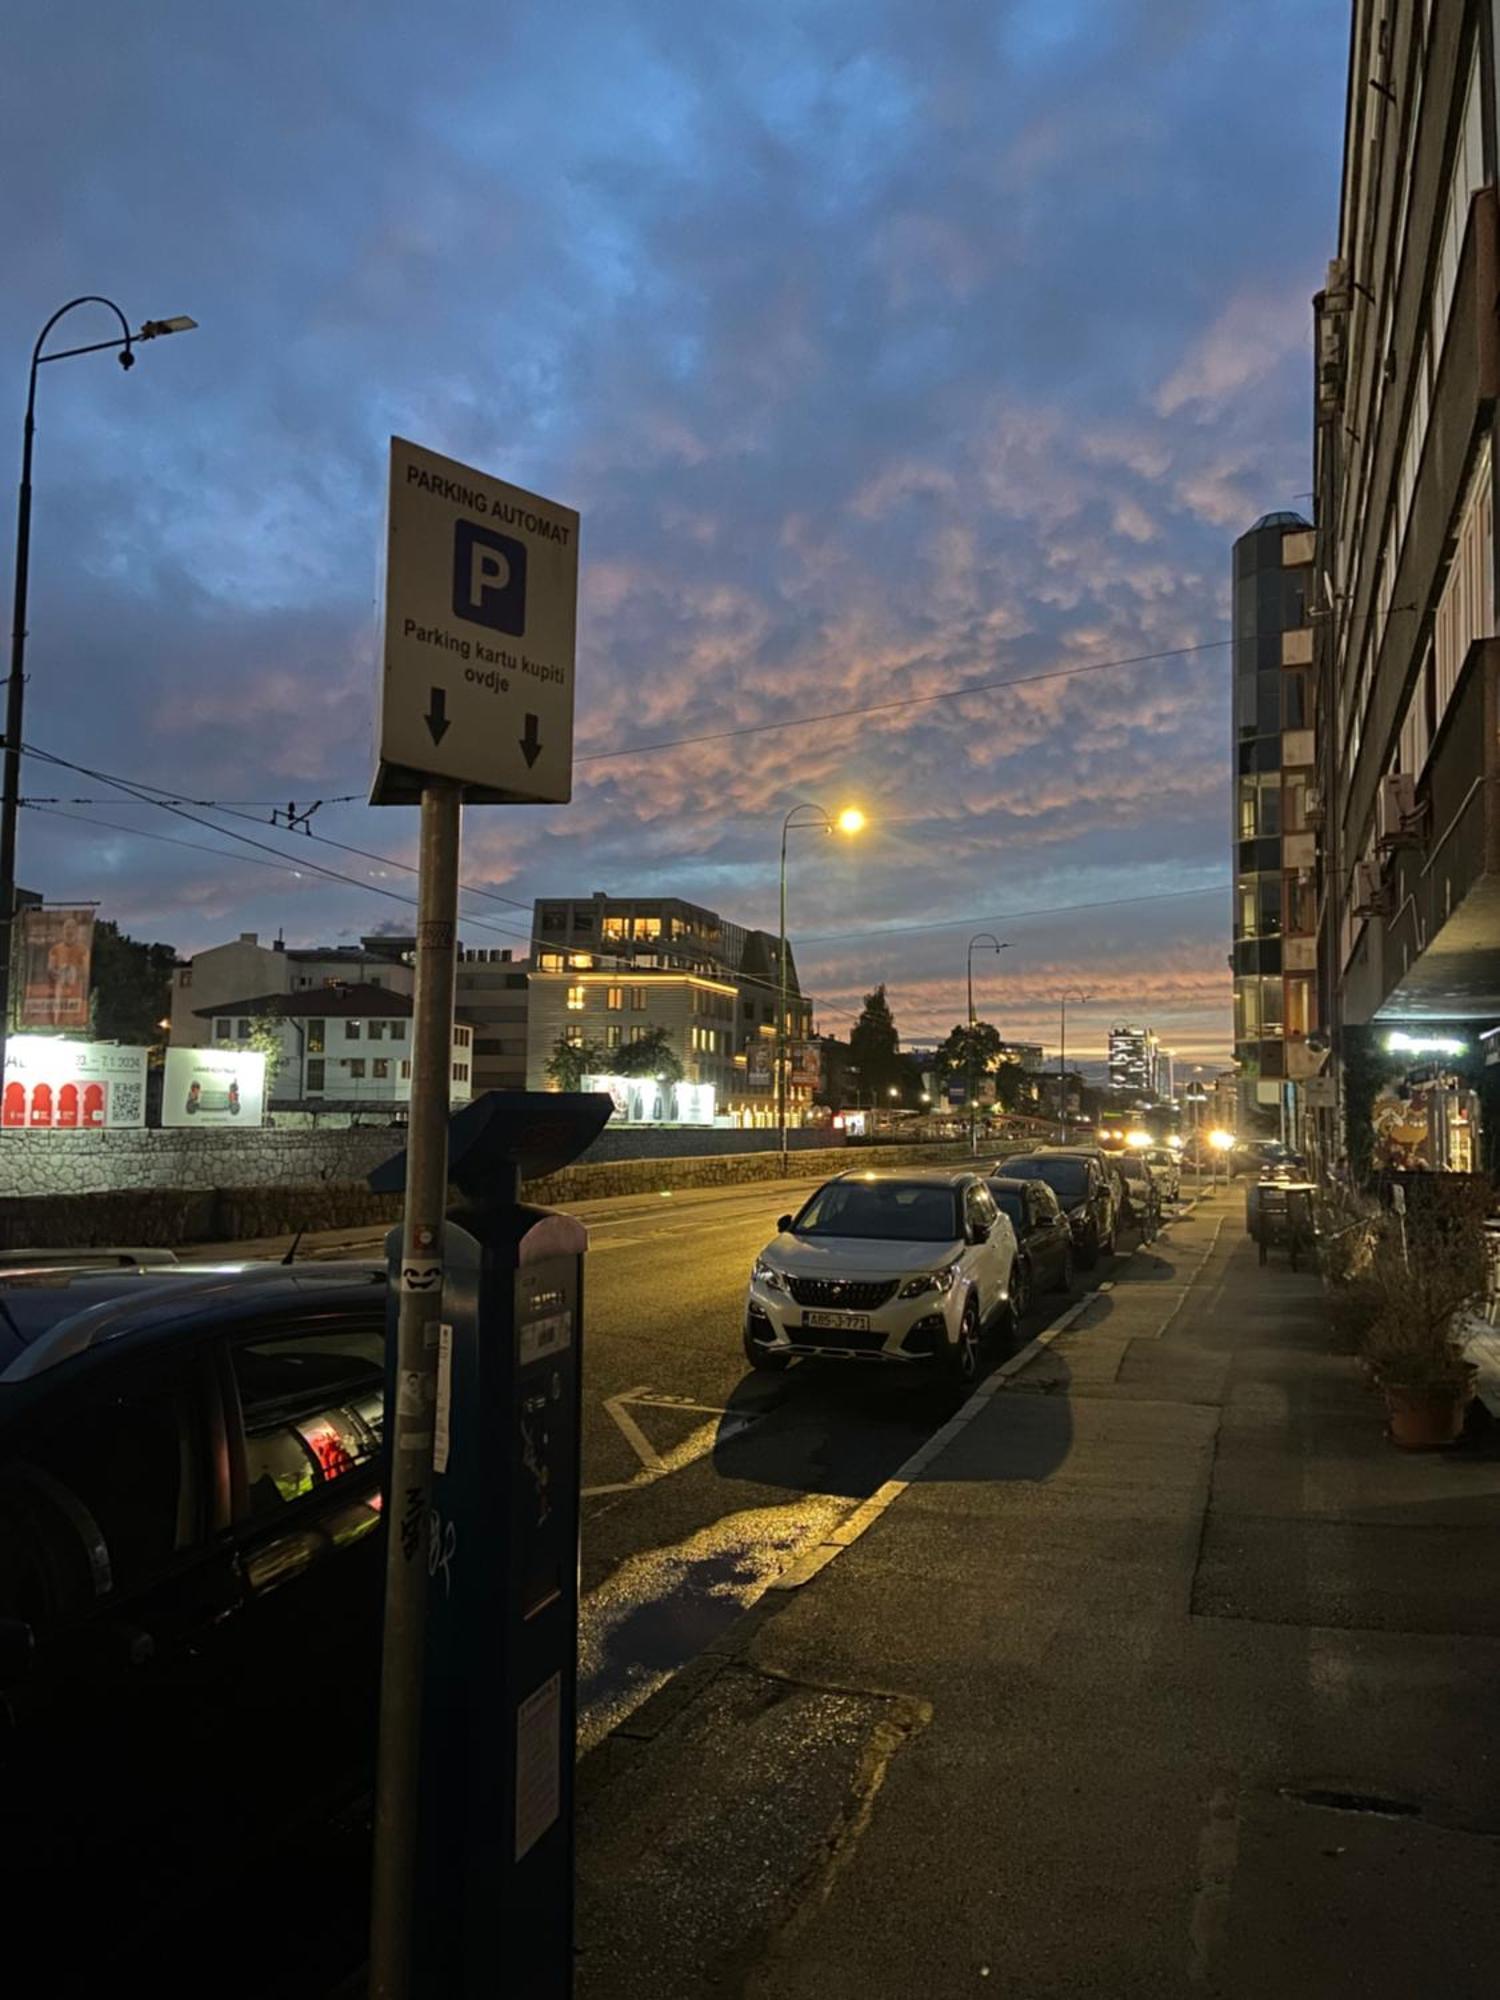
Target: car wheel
x,y
1020,1289
771,1360
963,1355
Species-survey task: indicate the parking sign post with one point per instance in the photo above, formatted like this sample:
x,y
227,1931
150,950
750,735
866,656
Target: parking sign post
x,y
476,706
411,1412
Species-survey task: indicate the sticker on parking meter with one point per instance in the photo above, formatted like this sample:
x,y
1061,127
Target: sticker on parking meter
x,y
538,1763
421,1277
549,1335
444,1398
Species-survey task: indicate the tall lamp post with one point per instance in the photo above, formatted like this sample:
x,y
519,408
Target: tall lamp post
x,y
850,821
10,794
986,941
1064,1001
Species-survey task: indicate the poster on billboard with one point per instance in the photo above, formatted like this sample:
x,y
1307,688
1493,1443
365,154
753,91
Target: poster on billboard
x,y
54,1085
204,1087
56,946
758,1062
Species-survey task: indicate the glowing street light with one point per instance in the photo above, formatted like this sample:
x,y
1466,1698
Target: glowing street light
x,y
850,821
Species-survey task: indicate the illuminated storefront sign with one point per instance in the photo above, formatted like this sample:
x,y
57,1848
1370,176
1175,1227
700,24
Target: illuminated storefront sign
x,y
1426,1045
648,1100
214,1087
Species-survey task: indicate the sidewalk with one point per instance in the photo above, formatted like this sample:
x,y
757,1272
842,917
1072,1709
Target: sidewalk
x,y
1101,1702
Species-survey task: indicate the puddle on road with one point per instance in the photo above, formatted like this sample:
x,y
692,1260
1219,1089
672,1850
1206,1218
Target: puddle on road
x,y
663,1607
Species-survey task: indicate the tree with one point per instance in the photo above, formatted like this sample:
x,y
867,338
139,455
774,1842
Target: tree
x,y
874,1045
265,1038
652,1055
570,1062
969,1051
132,986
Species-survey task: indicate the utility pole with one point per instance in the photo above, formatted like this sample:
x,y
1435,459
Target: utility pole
x,y
988,942
1078,1000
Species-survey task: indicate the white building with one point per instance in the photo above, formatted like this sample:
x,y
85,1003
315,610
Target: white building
x,y
215,980
341,1048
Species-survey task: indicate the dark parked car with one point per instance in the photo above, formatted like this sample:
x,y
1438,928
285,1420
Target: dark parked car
x,y
1084,1192
190,1589
1044,1238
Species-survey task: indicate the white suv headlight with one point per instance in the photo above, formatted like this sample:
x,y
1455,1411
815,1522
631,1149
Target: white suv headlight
x,y
932,1281
767,1274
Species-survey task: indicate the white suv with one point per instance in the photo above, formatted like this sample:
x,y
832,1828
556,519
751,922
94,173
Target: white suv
x,y
885,1266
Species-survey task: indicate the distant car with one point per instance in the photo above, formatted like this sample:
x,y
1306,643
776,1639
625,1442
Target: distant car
x,y
892,1267
1143,1193
1044,1239
1086,1195
1165,1164
1107,1161
191,1572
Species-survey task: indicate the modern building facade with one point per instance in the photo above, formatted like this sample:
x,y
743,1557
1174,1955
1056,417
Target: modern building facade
x,y
612,1011
1408,663
617,937
1274,750
1130,1065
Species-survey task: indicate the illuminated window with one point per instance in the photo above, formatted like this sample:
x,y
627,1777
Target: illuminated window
x,y
614,999
637,1003
616,928
614,1034
576,997
315,1038
550,961
573,1036
648,927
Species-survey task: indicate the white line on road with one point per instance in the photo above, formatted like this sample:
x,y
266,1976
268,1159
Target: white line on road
x,y
631,1431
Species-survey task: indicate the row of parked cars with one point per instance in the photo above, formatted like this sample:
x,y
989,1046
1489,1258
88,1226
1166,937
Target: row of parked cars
x,y
892,1266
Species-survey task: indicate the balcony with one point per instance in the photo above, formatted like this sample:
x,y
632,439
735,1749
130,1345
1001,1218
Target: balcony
x,y
1439,957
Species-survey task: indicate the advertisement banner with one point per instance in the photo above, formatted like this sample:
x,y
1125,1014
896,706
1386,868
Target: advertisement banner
x,y
807,1065
56,946
52,1085
759,1062
214,1087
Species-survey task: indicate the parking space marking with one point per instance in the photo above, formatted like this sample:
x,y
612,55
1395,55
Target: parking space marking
x,y
631,1431
698,1444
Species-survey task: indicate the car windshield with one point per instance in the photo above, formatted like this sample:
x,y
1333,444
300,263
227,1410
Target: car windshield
x,y
1134,1169
1068,1177
898,1211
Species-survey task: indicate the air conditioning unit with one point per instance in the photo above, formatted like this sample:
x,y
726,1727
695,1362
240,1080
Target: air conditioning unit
x,y
1312,807
1397,817
1371,897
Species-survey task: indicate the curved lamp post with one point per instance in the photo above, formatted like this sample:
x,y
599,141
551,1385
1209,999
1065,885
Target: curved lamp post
x,y
851,820
10,797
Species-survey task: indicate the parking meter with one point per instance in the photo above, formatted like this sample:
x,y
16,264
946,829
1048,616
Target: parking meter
x,y
494,1880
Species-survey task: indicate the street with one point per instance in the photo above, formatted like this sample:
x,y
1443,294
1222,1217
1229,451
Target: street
x,y
703,1481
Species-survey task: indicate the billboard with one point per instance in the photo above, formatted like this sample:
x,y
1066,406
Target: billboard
x,y
54,1085
758,1062
205,1087
56,946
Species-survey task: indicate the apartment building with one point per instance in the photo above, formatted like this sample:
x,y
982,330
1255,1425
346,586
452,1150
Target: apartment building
x,y
606,935
1408,664
341,1048
1274,956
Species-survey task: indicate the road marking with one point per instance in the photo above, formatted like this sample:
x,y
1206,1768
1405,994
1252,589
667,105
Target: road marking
x,y
1218,1854
631,1431
698,1444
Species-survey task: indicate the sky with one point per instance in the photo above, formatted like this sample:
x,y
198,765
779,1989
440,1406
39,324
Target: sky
x,y
885,347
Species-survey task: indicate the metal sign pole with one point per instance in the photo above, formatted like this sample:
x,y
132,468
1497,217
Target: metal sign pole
x,y
410,1421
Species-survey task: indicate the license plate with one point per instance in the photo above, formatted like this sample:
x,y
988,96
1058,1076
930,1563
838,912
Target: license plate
x,y
845,1322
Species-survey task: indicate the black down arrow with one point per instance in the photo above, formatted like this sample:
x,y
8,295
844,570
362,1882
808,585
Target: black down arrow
x,y
531,747
436,717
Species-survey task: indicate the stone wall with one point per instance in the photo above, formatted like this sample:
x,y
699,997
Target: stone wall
x,y
70,1163
73,1219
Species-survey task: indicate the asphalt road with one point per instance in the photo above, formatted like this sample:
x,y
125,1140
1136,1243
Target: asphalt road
x,y
703,1479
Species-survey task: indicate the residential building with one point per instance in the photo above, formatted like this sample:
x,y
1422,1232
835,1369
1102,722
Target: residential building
x,y
224,973
489,990
603,933
340,1049
1274,953
614,1010
1407,347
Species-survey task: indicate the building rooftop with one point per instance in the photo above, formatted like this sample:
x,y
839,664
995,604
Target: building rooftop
x,y
335,1002
1282,518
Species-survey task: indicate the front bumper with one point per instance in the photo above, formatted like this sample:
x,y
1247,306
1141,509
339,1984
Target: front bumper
x,y
904,1331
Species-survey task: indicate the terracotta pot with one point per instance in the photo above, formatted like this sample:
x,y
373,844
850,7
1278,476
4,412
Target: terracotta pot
x,y
1424,1419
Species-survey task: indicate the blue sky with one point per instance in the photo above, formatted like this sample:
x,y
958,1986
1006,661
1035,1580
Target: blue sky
x,y
883,348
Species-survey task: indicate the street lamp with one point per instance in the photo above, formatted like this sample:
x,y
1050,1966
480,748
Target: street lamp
x,y
850,821
1077,1000
987,941
1221,1142
10,795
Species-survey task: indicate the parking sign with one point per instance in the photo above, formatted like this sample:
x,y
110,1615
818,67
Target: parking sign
x,y
481,600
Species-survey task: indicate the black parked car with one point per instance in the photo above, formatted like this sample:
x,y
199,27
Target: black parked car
x,y
190,1587
1044,1239
1084,1192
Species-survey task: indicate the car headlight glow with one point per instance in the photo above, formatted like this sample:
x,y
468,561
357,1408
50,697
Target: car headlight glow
x,y
931,1281
768,1275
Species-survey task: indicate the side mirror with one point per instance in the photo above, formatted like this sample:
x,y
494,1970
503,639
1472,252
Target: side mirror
x,y
17,1644
783,1223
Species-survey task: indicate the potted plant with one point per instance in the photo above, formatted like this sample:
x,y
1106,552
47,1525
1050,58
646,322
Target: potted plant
x,y
1427,1267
